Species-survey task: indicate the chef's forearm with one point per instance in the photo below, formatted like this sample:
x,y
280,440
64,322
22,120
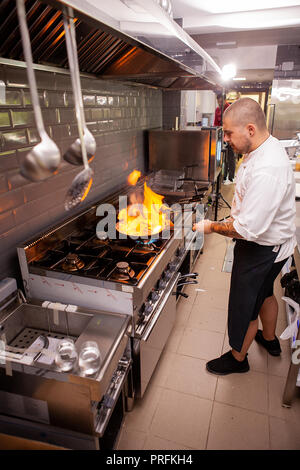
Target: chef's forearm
x,y
225,228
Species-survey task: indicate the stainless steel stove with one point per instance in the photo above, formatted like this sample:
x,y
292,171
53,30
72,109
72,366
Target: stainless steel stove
x,y
83,254
70,264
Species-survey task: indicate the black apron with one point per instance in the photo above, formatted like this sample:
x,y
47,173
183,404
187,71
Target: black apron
x,y
253,274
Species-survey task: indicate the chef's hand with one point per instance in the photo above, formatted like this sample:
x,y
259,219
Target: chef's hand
x,y
203,226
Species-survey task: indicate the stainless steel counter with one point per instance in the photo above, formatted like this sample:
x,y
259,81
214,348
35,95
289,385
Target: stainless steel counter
x,y
291,380
298,224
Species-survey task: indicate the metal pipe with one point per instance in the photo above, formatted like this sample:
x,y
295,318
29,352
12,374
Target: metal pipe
x,y
162,16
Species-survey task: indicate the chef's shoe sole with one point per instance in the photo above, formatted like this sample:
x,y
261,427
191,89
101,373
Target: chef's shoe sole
x,y
241,371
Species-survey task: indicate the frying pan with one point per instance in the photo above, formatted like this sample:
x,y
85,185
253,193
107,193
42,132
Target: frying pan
x,y
144,238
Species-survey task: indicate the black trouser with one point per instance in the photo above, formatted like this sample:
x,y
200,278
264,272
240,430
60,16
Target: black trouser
x,y
229,167
253,274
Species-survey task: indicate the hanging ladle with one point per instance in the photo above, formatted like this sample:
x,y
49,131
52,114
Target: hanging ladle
x,y
83,181
74,153
43,159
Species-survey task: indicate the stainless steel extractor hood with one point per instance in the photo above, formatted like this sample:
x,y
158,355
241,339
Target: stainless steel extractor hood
x,y
167,57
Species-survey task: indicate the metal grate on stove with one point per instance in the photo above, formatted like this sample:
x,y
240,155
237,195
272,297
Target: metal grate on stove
x,y
27,337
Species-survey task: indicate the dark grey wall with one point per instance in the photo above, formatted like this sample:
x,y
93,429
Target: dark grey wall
x,y
171,108
118,115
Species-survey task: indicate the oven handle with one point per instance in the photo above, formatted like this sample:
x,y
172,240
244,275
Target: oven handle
x,y
114,395
160,307
183,276
185,283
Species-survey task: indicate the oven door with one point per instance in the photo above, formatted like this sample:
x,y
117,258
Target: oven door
x,y
148,348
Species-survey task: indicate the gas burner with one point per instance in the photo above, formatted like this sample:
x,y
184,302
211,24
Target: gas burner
x,y
124,271
147,245
72,263
102,235
152,241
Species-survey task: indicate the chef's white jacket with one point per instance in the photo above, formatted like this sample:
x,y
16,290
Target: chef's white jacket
x,y
263,206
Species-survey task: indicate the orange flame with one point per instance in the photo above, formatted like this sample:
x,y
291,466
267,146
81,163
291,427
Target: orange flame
x,y
87,189
147,217
133,177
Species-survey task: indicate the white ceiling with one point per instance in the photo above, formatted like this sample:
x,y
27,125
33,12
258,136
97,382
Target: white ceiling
x,y
257,23
202,16
219,6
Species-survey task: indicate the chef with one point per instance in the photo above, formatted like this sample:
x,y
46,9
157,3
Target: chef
x,y
263,223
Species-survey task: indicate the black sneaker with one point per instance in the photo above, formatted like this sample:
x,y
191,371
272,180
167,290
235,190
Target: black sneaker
x,y
227,364
273,346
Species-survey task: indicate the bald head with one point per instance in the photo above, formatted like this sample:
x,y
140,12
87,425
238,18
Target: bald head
x,y
246,111
244,125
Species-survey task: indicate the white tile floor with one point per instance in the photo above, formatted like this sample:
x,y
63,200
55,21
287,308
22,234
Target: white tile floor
x,y
185,407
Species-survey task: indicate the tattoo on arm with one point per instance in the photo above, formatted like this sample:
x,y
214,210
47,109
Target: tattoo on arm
x,y
225,228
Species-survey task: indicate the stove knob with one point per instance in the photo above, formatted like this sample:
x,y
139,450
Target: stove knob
x,y
162,284
181,251
172,265
148,308
168,275
154,296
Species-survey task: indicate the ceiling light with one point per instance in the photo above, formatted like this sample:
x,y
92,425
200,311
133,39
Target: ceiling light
x,y
227,44
239,78
138,8
228,71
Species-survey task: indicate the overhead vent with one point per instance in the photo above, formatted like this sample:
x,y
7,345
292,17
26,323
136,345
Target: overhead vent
x,y
102,51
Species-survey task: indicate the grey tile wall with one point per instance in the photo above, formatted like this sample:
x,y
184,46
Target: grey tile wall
x,y
171,108
117,114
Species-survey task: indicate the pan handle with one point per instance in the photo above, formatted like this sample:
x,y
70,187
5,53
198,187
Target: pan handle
x,y
180,293
186,283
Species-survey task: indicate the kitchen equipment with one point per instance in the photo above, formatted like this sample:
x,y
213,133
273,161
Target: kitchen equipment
x,y
104,49
198,151
283,113
190,275
74,154
44,342
145,239
79,188
120,275
66,355
42,161
176,187
89,358
168,179
186,283
291,146
50,390
82,183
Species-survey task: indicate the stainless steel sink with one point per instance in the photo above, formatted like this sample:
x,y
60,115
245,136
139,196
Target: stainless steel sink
x,y
24,324
27,322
